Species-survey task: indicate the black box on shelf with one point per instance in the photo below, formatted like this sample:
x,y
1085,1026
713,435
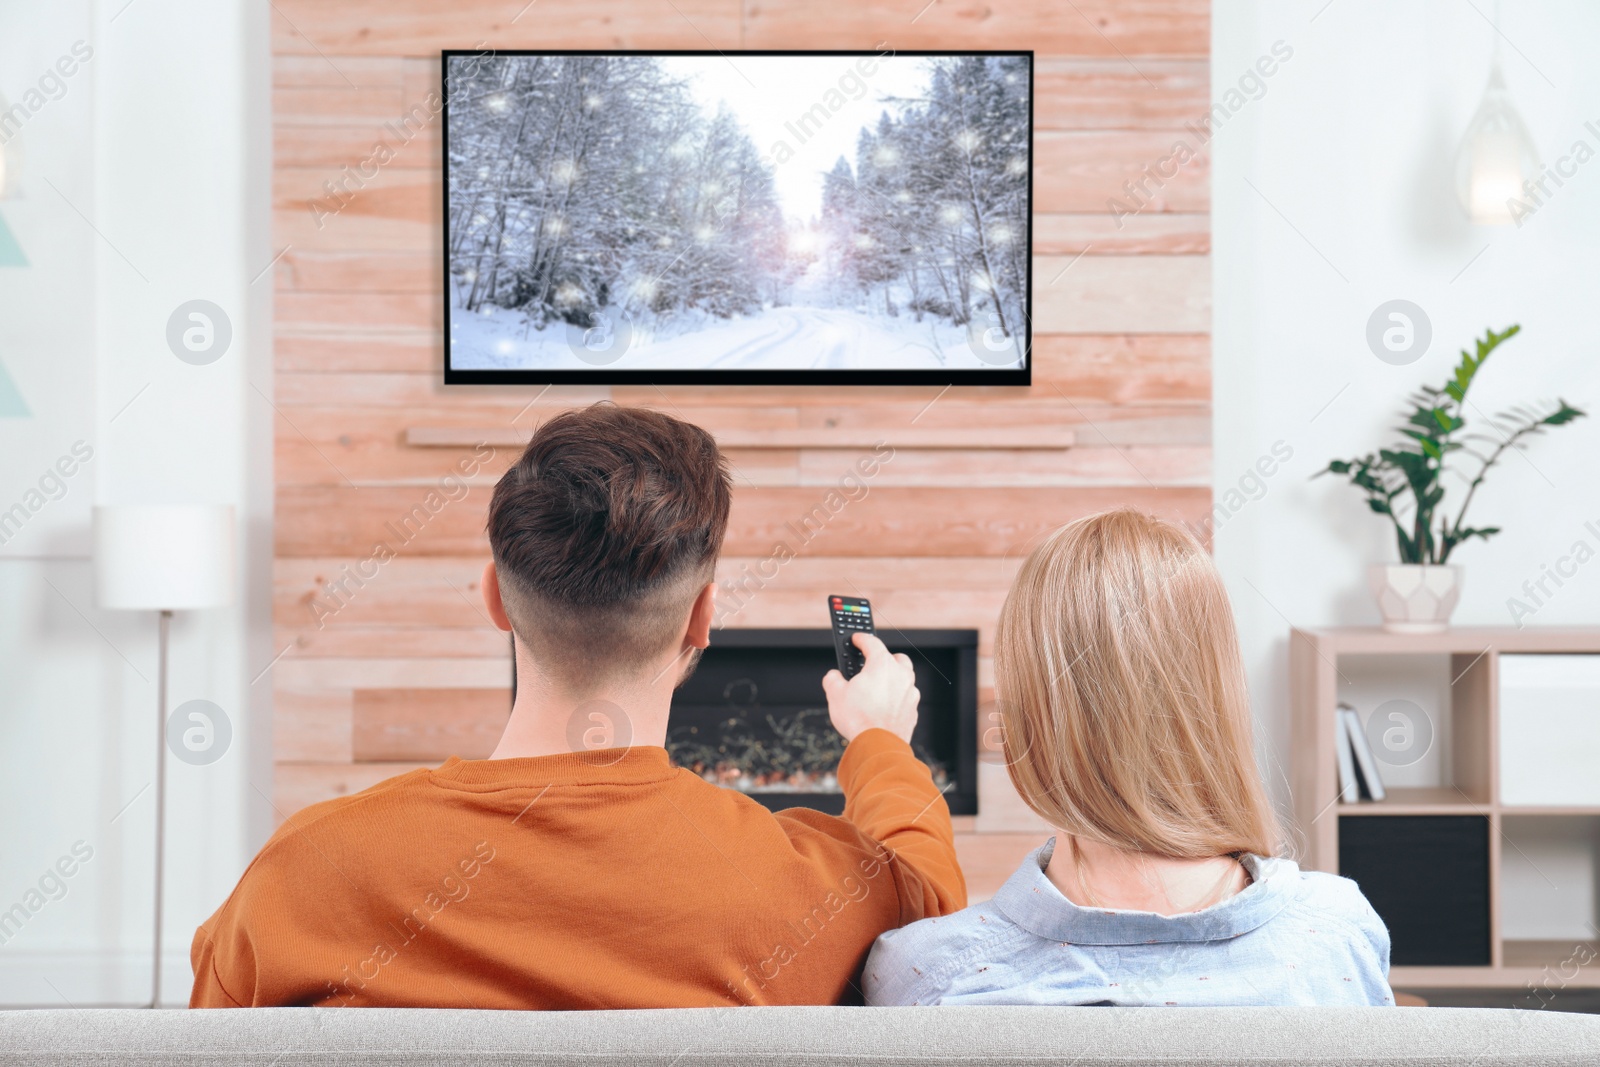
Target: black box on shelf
x,y
1428,878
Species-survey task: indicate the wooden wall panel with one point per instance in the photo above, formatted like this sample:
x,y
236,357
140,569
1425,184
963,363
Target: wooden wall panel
x,y
372,672
1095,28
1110,29
333,271
379,351
415,28
1132,445
301,783
349,640
327,148
1122,294
968,521
388,666
1118,94
366,456
1099,233
311,725
428,725
1091,171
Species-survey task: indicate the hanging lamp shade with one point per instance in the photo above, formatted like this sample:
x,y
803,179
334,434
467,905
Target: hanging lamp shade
x,y
10,155
1496,157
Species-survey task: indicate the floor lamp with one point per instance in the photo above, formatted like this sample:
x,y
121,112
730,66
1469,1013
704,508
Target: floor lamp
x,y
163,558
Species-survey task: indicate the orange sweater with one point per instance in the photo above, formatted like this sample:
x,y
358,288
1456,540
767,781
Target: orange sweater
x,y
562,882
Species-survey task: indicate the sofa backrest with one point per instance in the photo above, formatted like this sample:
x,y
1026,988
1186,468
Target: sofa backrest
x,y
803,1037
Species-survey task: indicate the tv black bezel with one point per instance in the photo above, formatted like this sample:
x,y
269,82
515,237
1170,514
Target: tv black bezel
x,y
600,376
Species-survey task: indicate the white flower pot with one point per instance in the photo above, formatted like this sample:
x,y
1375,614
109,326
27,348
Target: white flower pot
x,y
1415,598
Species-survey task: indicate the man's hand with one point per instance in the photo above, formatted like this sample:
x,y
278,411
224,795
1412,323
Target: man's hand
x,y
884,694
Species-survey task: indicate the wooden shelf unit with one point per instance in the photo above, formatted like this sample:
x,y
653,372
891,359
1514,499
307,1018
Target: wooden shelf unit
x,y
1474,770
1427,800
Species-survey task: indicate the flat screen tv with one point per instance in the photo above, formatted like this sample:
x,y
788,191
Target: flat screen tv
x,y
743,218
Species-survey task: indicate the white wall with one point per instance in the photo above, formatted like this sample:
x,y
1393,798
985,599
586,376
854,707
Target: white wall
x,y
180,143
47,75
1333,193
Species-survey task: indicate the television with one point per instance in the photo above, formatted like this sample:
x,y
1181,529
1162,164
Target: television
x,y
742,218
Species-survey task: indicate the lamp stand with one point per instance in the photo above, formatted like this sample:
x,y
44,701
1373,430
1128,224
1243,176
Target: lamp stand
x,y
161,801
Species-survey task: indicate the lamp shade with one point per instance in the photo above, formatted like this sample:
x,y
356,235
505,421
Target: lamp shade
x,y
1497,159
163,557
10,158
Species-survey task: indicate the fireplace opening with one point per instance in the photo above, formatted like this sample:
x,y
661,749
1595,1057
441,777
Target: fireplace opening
x,y
753,716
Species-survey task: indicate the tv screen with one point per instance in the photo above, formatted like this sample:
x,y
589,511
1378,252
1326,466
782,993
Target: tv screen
x,y
750,217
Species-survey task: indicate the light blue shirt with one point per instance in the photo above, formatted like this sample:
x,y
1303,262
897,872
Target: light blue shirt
x,y
1291,937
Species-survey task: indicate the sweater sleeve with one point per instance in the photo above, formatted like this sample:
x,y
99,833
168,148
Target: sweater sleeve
x,y
223,955
208,991
890,796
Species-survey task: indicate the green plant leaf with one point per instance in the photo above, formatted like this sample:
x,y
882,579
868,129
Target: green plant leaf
x,y
1408,547
1437,415
1563,415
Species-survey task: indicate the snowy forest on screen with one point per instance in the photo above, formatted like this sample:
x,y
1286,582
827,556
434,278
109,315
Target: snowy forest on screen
x,y
596,197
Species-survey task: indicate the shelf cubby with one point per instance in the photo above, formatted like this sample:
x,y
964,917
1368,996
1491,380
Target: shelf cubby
x,y
1521,885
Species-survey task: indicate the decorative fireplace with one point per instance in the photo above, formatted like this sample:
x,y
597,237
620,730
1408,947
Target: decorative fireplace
x,y
753,716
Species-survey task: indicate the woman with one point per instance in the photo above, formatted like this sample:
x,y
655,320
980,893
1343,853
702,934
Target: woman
x,y
1127,728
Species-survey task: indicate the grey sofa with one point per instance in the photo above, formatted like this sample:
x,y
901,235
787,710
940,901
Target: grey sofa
x,y
769,1037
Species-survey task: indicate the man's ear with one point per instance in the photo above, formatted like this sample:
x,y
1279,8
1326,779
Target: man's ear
x,y
491,597
701,616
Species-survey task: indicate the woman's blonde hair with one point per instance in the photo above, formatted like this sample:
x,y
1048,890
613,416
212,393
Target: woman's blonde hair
x,y
1122,694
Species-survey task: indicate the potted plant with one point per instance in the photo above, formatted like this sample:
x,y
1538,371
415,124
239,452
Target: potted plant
x,y
1405,483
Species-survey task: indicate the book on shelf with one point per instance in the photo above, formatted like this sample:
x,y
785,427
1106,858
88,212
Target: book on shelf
x,y
1349,790
1366,766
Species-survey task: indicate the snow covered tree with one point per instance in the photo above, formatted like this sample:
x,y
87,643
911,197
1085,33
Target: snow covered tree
x,y
884,207
840,225
943,192
587,184
581,182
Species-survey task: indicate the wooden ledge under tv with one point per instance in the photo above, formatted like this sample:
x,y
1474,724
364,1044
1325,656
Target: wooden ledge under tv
x,y
999,438
1474,770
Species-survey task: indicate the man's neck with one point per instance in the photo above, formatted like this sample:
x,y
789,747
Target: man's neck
x,y
549,720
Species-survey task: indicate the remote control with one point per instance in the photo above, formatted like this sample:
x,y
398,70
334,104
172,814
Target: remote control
x,y
851,615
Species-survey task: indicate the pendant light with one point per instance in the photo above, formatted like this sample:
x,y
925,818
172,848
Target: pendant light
x,y
1496,157
10,155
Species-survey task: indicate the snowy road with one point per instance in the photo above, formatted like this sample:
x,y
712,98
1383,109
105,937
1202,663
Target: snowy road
x,y
813,339
781,338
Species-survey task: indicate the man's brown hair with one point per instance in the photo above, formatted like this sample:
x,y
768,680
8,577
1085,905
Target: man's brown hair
x,y
603,534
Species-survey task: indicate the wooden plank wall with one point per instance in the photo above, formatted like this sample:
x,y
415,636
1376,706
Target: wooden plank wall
x,y
1122,357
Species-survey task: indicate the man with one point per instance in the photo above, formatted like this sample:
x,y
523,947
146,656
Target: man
x,y
576,867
